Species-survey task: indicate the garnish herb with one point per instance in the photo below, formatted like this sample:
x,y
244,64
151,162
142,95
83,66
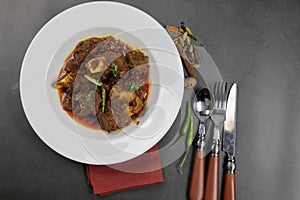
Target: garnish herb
x,y
134,86
114,70
88,96
92,80
77,97
103,99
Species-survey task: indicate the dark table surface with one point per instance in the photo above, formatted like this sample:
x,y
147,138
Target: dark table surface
x,y
254,43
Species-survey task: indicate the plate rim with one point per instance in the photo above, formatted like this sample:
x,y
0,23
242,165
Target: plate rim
x,y
22,73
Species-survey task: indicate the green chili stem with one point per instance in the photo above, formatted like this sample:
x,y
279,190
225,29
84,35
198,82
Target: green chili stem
x,y
183,160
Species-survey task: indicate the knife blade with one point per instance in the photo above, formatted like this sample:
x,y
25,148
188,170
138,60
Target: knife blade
x,y
229,140
229,135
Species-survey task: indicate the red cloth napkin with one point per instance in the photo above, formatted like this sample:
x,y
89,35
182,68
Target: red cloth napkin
x,y
131,174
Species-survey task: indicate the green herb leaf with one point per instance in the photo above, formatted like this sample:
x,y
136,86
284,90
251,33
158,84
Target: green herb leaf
x,y
134,86
77,97
88,96
92,80
115,66
114,70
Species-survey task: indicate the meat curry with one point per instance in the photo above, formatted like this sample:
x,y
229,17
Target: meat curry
x,y
104,83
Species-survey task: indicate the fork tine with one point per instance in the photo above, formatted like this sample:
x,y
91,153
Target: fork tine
x,y
216,94
219,91
223,94
219,94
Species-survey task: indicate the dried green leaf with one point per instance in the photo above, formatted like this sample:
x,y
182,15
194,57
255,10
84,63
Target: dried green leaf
x,y
181,41
191,49
185,35
188,40
184,48
193,56
188,30
196,66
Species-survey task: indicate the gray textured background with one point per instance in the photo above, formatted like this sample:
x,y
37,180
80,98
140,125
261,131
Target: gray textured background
x,y
255,43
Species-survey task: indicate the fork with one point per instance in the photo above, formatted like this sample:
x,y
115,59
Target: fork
x,y
218,117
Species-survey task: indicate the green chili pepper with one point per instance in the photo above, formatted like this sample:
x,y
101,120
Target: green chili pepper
x,y
191,134
189,143
103,99
186,123
92,80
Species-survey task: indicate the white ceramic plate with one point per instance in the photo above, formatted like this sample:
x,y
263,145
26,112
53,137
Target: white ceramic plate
x,y
45,56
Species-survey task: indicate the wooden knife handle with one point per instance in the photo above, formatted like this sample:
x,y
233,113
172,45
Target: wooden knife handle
x,y
229,187
197,179
212,182
229,179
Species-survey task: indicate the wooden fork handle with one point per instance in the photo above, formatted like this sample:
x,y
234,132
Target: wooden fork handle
x,y
197,179
212,182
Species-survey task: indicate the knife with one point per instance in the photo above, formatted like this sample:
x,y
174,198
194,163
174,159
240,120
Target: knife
x,y
229,139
